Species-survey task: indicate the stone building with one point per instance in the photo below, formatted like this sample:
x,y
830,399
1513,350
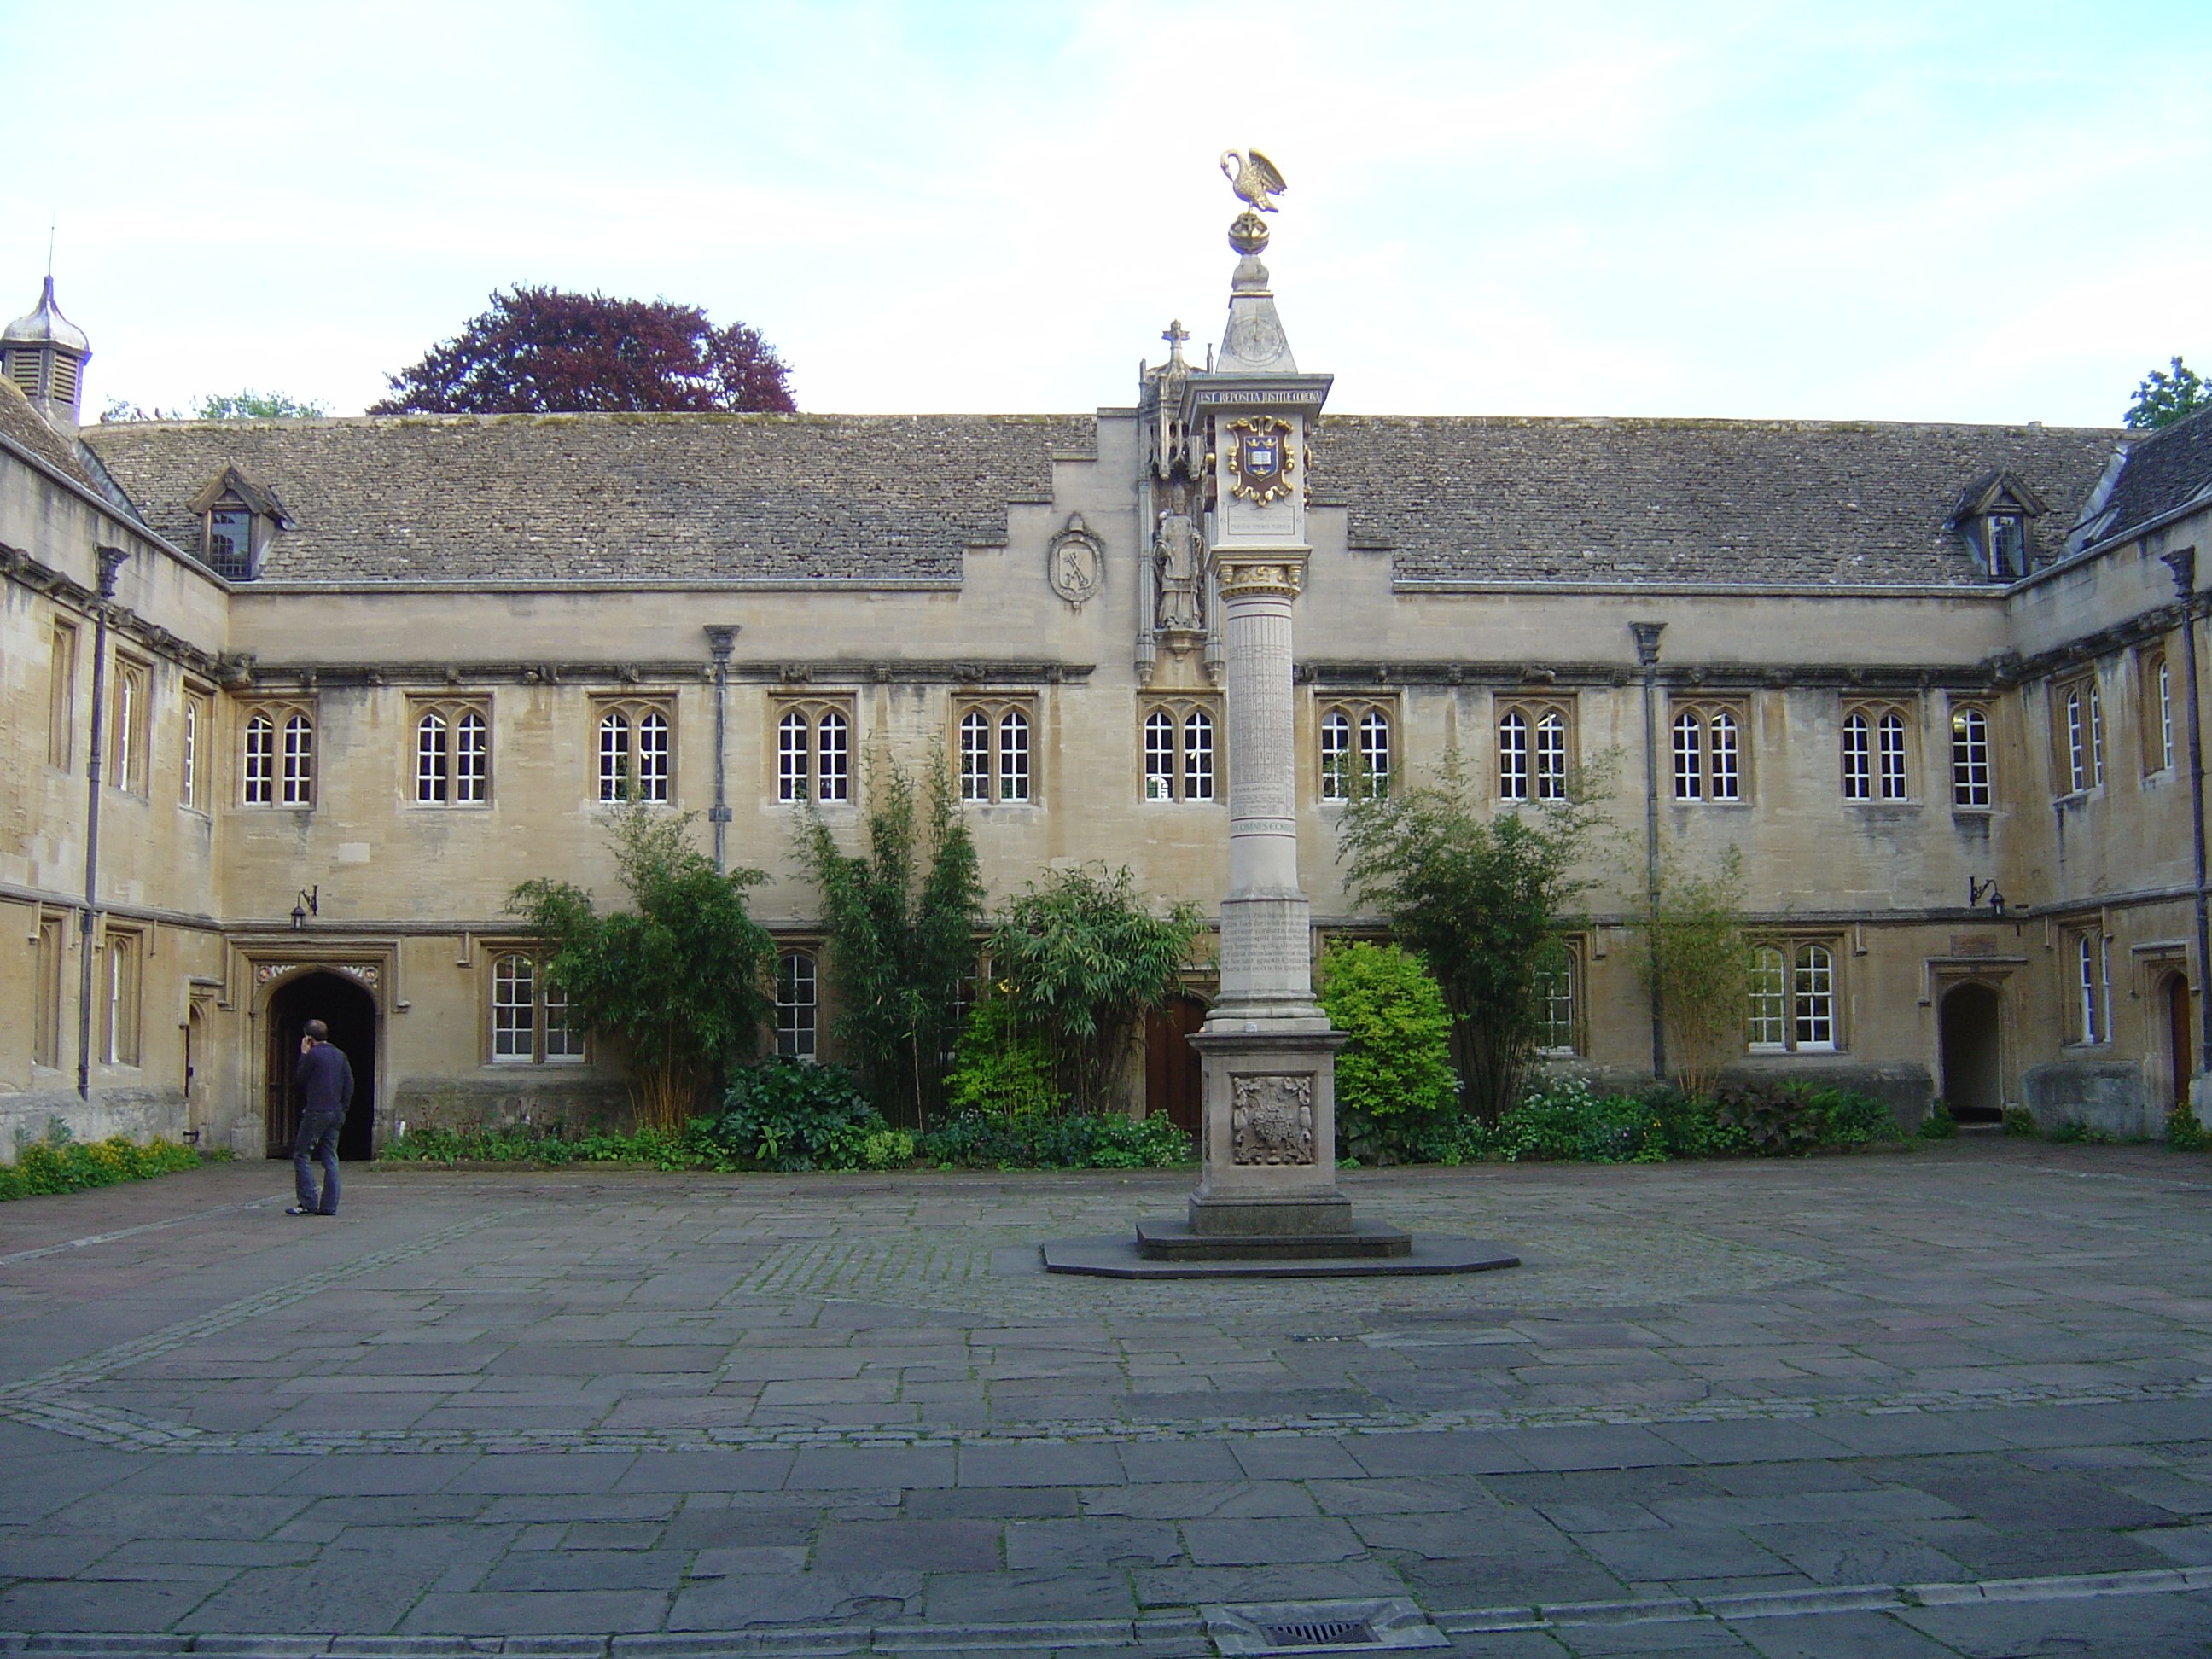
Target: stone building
x,y
356,678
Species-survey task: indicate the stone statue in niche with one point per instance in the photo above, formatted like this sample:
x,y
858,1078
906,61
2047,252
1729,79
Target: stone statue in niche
x,y
1075,563
1271,1118
1176,553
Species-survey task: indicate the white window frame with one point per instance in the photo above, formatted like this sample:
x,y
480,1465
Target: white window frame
x,y
1796,1003
533,1028
1970,757
1366,727
276,752
1533,741
798,1004
1708,747
634,750
995,741
813,751
452,753
1560,1003
1181,740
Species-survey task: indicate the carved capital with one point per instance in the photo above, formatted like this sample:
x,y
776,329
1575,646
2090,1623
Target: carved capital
x,y
1277,575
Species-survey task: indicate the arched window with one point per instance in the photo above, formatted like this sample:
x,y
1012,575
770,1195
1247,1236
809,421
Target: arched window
x,y
976,755
1552,756
1689,757
2091,990
1727,774
1813,975
260,761
1335,757
1513,757
1769,999
1013,755
299,775
796,1005
1891,736
1346,771
995,754
1858,770
530,1019
1160,767
1198,755
794,752
1970,757
636,753
834,755
1178,741
432,759
1559,1004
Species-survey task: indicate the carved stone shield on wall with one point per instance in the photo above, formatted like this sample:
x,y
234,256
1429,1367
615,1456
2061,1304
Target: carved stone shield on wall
x,y
1075,563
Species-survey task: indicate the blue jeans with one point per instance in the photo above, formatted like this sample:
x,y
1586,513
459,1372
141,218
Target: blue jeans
x,y
318,1139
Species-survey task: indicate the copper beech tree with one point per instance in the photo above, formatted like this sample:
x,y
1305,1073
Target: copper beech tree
x,y
541,351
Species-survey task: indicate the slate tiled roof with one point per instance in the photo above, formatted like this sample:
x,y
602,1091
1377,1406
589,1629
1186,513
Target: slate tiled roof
x,y
2166,469
25,425
1504,499
606,496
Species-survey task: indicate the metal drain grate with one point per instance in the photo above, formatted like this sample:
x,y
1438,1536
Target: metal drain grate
x,y
1316,1627
1318,1632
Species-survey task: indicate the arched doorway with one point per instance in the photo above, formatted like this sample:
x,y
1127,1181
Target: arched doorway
x,y
1174,1081
196,1084
1974,1083
347,1008
2174,993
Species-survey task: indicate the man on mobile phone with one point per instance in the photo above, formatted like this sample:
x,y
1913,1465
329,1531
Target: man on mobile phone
x,y
324,1080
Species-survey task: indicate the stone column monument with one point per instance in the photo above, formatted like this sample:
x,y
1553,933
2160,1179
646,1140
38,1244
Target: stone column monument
x,y
1267,1201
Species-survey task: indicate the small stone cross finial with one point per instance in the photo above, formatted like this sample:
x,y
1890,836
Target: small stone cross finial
x,y
1175,334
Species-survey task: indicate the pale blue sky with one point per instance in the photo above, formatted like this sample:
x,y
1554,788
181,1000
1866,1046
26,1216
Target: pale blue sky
x,y
1897,211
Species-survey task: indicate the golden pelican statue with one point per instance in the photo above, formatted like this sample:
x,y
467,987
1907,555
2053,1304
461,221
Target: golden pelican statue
x,y
1253,177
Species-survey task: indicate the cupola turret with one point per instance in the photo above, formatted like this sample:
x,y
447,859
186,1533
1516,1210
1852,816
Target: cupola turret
x,y
43,354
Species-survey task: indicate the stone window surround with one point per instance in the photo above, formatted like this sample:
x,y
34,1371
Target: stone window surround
x,y
1181,753
797,1001
1711,714
1570,970
1889,754
288,777
129,723
1360,713
825,765
2158,709
1005,771
1973,757
1809,994
1533,777
451,776
498,953
655,786
2077,734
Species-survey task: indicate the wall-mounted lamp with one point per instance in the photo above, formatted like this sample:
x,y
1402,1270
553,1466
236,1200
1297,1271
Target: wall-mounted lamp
x,y
1977,891
307,905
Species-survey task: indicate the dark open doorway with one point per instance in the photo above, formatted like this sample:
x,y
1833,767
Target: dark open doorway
x,y
2173,992
350,1012
1173,1078
1974,1083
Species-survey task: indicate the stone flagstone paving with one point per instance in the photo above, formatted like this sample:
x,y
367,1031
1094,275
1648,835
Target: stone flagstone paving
x,y
1958,1401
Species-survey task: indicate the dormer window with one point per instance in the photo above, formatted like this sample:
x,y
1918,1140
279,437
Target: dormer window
x,y
1994,517
238,521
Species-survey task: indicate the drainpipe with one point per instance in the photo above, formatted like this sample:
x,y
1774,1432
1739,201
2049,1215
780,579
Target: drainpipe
x,y
720,641
2184,566
111,562
1647,655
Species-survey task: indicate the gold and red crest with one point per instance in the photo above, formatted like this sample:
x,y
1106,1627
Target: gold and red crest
x,y
1261,459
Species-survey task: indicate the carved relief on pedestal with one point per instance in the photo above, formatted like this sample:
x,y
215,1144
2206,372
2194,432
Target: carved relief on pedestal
x,y
1271,1117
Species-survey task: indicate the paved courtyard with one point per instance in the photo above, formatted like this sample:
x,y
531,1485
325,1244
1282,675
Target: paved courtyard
x,y
1953,1402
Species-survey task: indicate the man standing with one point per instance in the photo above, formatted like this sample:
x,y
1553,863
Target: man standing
x,y
324,1080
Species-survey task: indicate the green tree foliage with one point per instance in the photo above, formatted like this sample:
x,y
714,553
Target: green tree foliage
x,y
678,984
250,405
1696,957
999,1067
2165,396
1482,901
900,922
1394,1087
1083,959
539,351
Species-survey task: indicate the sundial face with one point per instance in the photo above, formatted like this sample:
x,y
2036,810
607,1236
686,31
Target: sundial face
x,y
1255,340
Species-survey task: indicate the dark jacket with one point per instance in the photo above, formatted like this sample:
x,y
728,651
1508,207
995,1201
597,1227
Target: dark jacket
x,y
324,1077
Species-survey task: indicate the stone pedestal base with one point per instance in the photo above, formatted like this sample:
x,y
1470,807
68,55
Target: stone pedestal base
x,y
1291,1214
1165,1240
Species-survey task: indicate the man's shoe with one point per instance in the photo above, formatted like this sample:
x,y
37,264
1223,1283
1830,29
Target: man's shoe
x,y
296,1210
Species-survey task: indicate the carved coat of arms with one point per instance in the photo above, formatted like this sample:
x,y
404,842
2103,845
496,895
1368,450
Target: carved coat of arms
x,y
1271,1118
1259,460
1075,563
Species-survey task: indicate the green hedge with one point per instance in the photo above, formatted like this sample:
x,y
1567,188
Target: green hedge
x,y
1563,1122
1036,1140
57,1163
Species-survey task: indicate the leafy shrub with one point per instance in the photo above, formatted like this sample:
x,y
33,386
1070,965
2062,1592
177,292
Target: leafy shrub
x,y
525,1143
1394,1087
1849,1118
788,1115
1780,1119
2184,1133
2018,1121
58,1162
999,1067
1939,1124
1037,1141
2075,1132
